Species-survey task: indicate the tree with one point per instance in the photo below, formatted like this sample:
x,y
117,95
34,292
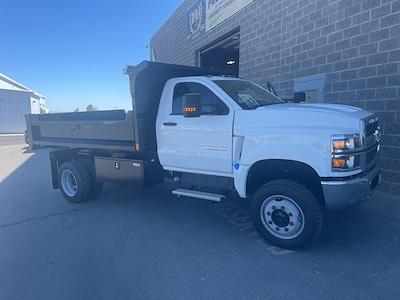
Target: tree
x,y
90,107
76,109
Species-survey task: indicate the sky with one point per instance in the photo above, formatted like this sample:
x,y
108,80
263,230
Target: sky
x,y
73,52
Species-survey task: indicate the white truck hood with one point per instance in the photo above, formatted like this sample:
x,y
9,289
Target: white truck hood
x,y
339,119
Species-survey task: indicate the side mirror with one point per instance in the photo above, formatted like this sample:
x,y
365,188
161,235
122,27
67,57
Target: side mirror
x,y
299,97
191,105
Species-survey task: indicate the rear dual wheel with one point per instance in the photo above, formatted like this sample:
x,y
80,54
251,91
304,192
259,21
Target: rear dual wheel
x,y
287,214
76,182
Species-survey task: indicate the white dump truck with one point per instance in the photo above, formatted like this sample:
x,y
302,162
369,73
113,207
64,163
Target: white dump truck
x,y
208,135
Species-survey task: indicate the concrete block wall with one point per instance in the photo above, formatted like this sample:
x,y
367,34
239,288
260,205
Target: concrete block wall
x,y
356,43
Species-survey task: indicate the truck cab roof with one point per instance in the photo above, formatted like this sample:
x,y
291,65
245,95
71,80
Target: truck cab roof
x,y
208,77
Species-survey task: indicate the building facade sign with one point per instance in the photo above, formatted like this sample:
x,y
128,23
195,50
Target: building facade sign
x,y
204,15
197,19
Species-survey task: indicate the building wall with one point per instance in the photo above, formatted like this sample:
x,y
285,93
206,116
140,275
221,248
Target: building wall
x,y
356,43
38,104
35,105
14,105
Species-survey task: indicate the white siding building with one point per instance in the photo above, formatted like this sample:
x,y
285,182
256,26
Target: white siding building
x,y
17,100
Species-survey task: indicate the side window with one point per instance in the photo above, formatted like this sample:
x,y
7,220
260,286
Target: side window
x,y
210,103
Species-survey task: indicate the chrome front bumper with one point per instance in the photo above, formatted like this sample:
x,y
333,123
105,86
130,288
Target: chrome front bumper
x,y
345,193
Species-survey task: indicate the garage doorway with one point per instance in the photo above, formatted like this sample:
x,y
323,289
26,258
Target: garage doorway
x,y
222,55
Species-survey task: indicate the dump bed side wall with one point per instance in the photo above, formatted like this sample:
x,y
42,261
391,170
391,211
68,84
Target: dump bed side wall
x,y
91,130
112,130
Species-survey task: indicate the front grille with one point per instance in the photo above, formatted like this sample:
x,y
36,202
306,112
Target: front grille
x,y
370,141
371,125
371,132
371,155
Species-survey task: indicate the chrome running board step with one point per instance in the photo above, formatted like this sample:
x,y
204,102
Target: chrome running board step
x,y
198,195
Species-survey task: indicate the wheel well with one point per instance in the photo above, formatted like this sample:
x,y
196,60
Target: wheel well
x,y
58,157
268,170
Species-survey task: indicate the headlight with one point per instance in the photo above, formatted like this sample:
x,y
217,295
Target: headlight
x,y
345,162
349,142
346,152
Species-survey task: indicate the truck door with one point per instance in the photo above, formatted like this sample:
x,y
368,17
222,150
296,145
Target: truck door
x,y
202,144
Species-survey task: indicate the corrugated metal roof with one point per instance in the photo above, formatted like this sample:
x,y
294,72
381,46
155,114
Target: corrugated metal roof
x,y
19,85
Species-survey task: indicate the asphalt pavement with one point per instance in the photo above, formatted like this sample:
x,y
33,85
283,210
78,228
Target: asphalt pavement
x,y
7,140
134,243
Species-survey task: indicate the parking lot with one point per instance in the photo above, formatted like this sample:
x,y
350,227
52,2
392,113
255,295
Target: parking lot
x,y
134,243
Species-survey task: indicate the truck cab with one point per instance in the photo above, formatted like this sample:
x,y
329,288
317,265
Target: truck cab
x,y
241,125
209,135
242,131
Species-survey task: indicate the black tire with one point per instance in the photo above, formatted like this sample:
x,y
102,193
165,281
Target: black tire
x,y
97,186
83,181
304,200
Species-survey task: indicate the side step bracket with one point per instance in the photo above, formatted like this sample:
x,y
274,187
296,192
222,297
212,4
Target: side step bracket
x,y
198,195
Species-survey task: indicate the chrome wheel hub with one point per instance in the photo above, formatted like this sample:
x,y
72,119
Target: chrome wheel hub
x,y
282,217
69,183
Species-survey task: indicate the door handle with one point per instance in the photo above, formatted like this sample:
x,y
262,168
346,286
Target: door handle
x,y
170,124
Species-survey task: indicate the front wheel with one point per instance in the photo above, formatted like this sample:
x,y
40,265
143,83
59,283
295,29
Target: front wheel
x,y
287,214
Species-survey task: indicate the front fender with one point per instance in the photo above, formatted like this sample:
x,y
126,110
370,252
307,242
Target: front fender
x,y
313,151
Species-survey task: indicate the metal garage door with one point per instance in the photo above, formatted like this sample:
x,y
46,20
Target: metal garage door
x,y
14,105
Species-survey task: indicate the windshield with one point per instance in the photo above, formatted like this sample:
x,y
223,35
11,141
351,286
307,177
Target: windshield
x,y
248,95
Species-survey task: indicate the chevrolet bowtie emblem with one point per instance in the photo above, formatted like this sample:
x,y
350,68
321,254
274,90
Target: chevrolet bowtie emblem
x,y
371,121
